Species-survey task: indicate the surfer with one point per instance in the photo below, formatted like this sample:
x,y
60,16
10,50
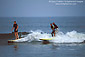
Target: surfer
x,y
15,27
54,28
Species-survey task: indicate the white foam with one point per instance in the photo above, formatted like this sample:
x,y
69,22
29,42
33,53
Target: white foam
x,y
69,37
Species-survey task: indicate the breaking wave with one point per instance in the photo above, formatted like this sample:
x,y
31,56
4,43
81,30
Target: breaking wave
x,y
69,37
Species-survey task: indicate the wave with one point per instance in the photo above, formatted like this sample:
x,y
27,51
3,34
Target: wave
x,y
69,37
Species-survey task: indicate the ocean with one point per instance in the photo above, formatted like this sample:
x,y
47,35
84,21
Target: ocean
x,y
26,24
68,42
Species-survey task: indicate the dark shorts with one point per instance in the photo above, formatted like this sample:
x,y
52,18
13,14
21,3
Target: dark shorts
x,y
15,30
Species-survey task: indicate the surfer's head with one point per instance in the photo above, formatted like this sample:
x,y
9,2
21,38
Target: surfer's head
x,y
14,22
50,24
53,23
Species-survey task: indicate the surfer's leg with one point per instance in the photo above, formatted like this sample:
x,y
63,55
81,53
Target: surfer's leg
x,y
17,35
54,33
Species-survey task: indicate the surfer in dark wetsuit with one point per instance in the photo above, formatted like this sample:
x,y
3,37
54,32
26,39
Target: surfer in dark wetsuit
x,y
55,28
15,27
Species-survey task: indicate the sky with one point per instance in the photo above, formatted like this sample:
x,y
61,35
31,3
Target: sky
x,y
38,8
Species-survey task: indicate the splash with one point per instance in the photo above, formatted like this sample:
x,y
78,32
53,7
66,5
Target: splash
x,y
69,37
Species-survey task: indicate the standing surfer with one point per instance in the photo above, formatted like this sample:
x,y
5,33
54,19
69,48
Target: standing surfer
x,y
54,28
15,27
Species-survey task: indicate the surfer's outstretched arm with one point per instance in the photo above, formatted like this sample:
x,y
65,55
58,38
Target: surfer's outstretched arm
x,y
12,29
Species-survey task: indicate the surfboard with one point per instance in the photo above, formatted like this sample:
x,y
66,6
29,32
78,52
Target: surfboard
x,y
45,38
12,41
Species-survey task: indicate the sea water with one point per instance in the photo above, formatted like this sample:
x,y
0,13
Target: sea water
x,y
66,43
27,24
